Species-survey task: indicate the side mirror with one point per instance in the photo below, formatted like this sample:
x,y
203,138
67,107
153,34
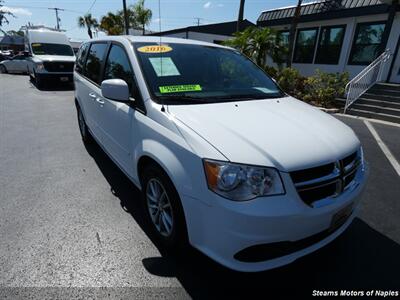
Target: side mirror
x,y
27,54
115,89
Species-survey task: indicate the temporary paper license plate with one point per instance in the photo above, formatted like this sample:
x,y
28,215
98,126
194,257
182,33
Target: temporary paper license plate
x,y
64,79
341,217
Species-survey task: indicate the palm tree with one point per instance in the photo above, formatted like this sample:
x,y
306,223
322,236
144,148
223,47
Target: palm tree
x,y
3,16
89,22
112,24
142,15
257,44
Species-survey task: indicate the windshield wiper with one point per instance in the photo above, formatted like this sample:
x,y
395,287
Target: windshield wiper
x,y
183,99
244,97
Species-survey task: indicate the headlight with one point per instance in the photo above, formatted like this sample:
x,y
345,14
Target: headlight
x,y
39,66
240,182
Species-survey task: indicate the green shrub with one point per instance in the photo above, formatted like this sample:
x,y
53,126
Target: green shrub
x,y
322,88
291,82
271,71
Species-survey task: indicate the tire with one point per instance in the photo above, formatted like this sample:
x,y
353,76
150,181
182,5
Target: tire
x,y
38,82
171,212
83,128
3,69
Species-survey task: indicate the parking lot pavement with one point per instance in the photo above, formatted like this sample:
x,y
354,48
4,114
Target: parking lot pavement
x,y
70,218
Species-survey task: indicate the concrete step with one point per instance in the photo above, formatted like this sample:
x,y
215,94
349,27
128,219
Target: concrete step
x,y
373,115
382,96
387,86
376,108
392,93
386,104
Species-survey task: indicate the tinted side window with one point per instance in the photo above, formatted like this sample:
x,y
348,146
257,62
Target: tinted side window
x,y
95,61
118,66
80,61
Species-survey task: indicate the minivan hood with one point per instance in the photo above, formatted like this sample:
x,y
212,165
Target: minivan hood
x,y
55,58
285,133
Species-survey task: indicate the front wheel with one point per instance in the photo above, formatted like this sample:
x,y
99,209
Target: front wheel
x,y
38,81
3,69
164,208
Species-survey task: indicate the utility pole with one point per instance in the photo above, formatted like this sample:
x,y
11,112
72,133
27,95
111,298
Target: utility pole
x,y
56,9
240,17
292,32
126,18
198,21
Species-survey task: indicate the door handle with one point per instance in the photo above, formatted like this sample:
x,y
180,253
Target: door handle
x,y
98,100
92,95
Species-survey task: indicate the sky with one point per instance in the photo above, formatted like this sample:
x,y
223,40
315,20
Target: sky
x,y
174,13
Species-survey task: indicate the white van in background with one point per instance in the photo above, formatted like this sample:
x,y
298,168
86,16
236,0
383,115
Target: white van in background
x,y
51,55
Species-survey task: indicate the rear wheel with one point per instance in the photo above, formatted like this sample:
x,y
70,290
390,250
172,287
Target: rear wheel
x,y
164,209
3,69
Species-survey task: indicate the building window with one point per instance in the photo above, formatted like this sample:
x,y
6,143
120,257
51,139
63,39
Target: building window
x,y
283,38
366,43
305,45
330,45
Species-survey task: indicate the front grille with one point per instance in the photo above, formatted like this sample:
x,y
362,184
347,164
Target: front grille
x,y
58,66
325,181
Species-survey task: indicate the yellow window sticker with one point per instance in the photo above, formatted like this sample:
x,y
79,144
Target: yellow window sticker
x,y
180,88
155,49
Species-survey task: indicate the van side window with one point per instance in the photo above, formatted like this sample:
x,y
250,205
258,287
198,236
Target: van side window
x,y
81,58
95,61
118,66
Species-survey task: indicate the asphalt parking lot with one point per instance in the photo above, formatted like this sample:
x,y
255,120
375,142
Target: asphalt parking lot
x,y
70,218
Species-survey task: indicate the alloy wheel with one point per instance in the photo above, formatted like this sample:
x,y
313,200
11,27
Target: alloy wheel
x,y
159,207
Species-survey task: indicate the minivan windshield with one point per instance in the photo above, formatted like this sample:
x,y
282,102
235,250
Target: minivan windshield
x,y
187,73
52,49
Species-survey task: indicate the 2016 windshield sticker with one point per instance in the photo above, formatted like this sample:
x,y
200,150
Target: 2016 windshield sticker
x,y
155,49
180,88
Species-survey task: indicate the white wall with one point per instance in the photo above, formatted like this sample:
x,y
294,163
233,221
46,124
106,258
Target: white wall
x,y
351,23
205,37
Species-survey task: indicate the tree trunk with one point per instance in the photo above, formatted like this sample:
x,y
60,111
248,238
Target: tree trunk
x,y
240,17
89,31
292,33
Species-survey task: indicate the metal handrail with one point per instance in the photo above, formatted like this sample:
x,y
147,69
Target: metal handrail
x,y
366,79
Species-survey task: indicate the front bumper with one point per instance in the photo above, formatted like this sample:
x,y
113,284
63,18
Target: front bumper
x,y
66,77
221,228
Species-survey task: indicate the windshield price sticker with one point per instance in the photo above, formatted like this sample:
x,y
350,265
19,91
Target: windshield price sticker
x,y
180,88
155,49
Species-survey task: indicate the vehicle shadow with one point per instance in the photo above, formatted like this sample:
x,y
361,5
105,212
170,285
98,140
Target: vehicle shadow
x,y
360,259
52,86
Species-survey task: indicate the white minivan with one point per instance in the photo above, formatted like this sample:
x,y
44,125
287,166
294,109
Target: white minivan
x,y
225,159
